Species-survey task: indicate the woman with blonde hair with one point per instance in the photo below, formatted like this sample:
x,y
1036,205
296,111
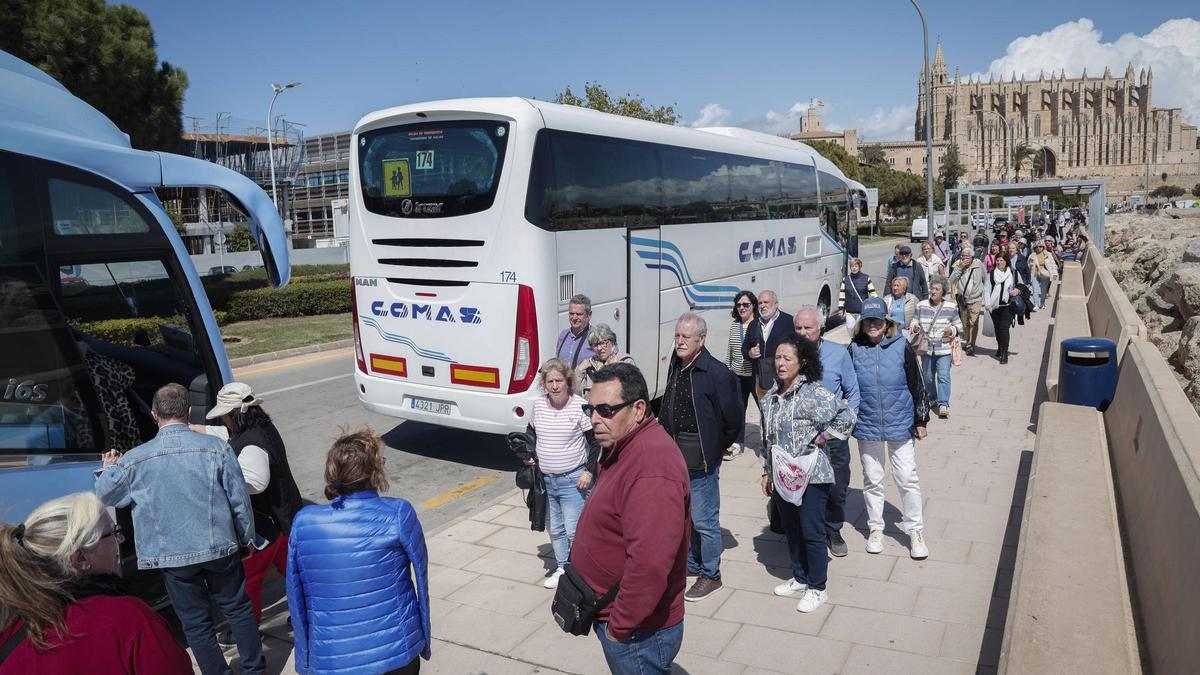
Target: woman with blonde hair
x,y
63,609
358,570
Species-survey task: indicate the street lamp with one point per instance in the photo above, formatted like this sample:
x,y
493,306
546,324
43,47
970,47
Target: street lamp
x,y
1007,137
928,125
278,89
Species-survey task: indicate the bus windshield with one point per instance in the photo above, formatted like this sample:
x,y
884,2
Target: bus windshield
x,y
432,169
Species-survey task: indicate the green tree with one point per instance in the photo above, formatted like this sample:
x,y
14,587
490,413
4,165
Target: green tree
x,y
872,154
596,97
1196,190
1168,192
239,239
1164,176
1021,154
177,220
106,56
838,155
952,168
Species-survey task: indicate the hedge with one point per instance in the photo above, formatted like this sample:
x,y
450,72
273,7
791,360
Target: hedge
x,y
325,297
122,331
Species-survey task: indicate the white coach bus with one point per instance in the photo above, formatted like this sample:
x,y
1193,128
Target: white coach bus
x,y
474,221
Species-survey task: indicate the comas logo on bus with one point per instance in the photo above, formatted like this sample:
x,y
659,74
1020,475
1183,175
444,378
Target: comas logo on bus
x,y
443,313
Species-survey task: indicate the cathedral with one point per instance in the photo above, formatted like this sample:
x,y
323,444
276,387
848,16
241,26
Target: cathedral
x,y
1082,127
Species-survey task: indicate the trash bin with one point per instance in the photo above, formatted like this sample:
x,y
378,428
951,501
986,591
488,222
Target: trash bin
x,y
1087,372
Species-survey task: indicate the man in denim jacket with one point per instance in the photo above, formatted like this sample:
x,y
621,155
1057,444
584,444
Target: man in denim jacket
x,y
191,516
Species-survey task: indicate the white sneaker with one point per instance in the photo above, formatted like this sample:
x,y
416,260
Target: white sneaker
x,y
916,544
811,600
733,452
790,587
875,542
552,581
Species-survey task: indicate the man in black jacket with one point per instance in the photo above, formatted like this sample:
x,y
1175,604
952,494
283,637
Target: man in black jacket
x,y
701,411
904,266
763,337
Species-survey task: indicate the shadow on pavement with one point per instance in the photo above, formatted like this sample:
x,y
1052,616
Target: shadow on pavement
x,y
487,451
989,651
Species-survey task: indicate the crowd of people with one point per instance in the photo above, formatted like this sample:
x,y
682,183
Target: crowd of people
x,y
631,496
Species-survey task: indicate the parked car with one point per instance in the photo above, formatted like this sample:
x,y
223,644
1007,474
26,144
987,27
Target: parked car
x,y
251,267
221,269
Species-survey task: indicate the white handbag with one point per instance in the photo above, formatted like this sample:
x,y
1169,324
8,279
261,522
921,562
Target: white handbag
x,y
790,475
987,325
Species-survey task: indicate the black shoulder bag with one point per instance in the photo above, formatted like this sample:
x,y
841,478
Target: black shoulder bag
x,y
13,642
575,605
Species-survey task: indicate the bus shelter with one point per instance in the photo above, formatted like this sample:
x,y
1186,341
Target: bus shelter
x,y
970,199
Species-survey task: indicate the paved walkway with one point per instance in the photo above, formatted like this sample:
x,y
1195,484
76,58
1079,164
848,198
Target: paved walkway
x,y
886,612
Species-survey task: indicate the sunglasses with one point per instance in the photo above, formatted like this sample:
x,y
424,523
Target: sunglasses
x,y
744,304
604,410
115,532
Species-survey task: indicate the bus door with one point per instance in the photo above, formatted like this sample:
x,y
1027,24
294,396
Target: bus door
x,y
643,268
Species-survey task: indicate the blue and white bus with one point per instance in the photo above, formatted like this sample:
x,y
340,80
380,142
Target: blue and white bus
x,y
84,240
473,222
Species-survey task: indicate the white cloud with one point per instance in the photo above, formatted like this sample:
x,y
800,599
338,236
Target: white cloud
x,y
893,124
773,122
712,115
1172,50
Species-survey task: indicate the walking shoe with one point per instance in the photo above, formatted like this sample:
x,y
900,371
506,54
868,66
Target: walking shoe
x,y
811,600
703,588
875,542
790,587
943,411
734,451
969,349
1003,359
552,580
916,544
837,545
225,639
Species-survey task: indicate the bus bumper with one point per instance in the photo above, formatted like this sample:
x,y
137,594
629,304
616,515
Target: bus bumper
x,y
489,412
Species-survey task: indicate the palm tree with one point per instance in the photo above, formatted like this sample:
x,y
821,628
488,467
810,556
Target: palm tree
x,y
1020,155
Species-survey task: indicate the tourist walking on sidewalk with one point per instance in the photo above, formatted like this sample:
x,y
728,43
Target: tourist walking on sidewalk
x,y
635,529
759,347
801,417
933,266
192,519
936,325
700,411
837,375
1044,270
745,311
63,606
999,294
603,342
907,268
358,571
966,281
901,305
892,415
274,497
856,287
566,452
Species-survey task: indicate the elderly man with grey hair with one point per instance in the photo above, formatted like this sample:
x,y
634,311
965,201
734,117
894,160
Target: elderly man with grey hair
x,y
966,280
603,342
572,342
701,411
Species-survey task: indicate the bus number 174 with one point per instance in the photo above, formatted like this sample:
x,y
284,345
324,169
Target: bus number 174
x,y
508,277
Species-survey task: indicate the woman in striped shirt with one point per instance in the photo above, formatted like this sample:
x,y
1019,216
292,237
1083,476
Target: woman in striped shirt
x,y
745,312
937,317
566,452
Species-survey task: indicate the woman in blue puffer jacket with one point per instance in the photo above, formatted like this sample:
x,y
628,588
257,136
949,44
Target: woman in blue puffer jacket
x,y
892,414
351,564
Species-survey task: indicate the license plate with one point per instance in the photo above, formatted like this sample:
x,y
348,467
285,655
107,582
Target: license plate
x,y
435,407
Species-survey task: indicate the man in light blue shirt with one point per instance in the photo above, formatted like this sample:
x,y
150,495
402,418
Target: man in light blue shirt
x,y
837,375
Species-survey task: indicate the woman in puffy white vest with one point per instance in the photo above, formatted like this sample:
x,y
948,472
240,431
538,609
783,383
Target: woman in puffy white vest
x,y
892,414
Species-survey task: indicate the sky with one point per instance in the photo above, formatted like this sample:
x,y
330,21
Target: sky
x,y
755,64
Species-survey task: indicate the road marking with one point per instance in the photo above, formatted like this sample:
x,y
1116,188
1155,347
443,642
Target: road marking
x,y
306,384
457,492
293,364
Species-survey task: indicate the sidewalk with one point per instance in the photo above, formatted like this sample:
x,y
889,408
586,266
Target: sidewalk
x,y
886,612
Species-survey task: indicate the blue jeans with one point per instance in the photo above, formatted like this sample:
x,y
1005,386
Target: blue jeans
x,y
839,459
937,378
1041,292
565,502
644,652
704,554
224,581
804,527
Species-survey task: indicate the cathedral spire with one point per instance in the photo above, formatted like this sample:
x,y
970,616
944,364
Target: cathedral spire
x,y
1107,73
1129,71
938,58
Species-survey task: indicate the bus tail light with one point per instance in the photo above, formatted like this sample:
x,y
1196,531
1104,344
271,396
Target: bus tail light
x,y
525,347
358,350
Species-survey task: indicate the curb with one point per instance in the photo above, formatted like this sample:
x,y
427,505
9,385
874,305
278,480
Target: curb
x,y
288,353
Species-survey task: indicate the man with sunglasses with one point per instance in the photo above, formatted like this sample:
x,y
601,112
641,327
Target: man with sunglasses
x,y
635,529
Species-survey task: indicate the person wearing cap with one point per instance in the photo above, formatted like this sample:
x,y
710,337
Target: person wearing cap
x,y
893,412
1043,269
274,496
906,267
941,245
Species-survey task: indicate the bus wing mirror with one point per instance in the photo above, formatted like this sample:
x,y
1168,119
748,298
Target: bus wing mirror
x,y
262,218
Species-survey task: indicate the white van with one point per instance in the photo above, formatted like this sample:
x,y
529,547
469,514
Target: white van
x,y
920,229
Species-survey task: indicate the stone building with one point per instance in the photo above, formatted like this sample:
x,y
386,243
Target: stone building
x,y
1084,127
811,130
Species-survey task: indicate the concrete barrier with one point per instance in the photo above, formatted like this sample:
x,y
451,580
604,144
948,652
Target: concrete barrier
x,y
1154,434
1069,608
1110,314
1092,262
1070,320
1071,280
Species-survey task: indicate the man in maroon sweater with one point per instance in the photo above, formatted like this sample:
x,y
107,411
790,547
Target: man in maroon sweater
x,y
636,527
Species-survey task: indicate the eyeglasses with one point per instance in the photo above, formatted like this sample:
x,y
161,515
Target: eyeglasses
x,y
115,532
604,410
743,304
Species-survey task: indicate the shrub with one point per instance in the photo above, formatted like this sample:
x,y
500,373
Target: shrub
x,y
308,299
122,331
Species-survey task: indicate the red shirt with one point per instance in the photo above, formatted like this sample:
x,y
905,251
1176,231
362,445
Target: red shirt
x,y
108,635
635,527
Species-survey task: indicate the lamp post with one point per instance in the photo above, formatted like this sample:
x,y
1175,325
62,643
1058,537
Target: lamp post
x,y
1007,137
928,125
278,89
